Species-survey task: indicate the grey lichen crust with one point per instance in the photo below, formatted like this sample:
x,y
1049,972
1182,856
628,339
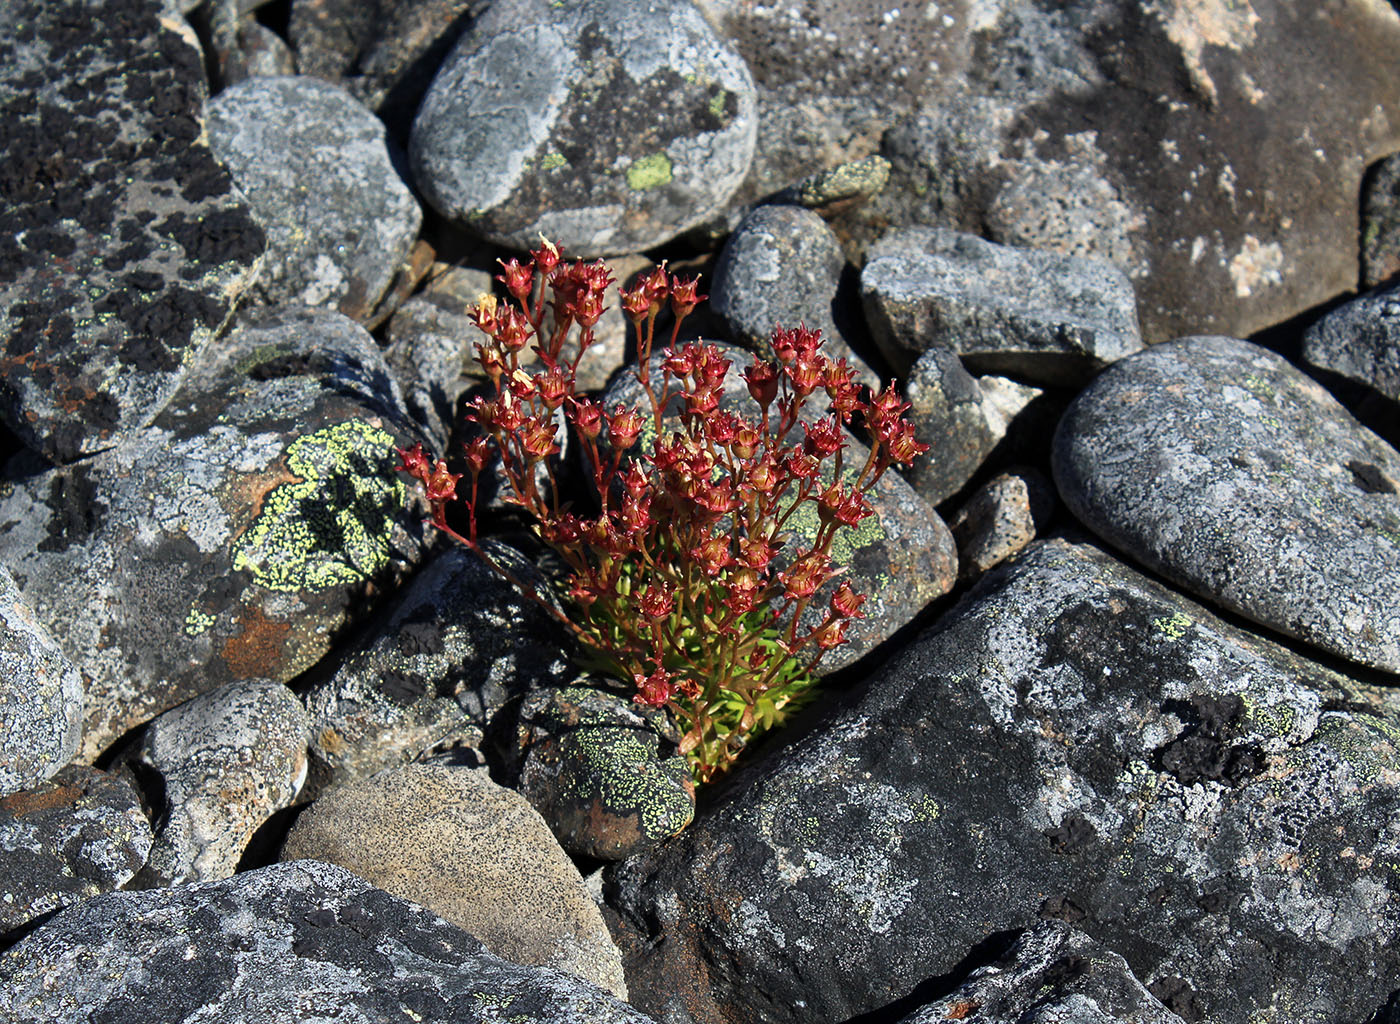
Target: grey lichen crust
x,y
607,126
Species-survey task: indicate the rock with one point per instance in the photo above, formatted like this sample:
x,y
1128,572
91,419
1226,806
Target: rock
x,y
227,761
67,839
232,538
1053,973
901,559
315,168
833,192
946,408
289,942
243,47
783,267
41,696
1141,134
632,125
456,647
1360,342
1072,741
1380,222
1219,465
507,881
123,246
603,772
833,75
1039,316
1001,518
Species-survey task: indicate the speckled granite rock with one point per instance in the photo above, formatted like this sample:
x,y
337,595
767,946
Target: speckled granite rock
x,y
1221,466
900,559
1053,975
603,772
227,760
291,942
947,410
507,881
41,696
123,246
313,164
457,646
231,538
783,266
78,834
1038,316
1143,134
1073,741
1360,341
632,124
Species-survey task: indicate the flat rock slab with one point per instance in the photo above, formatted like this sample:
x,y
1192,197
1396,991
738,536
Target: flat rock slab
x,y
1219,465
1037,315
78,834
232,537
1073,741
607,126
123,245
292,942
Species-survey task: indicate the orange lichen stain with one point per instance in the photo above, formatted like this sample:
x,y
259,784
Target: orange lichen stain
x,y
962,1010
17,805
257,649
246,493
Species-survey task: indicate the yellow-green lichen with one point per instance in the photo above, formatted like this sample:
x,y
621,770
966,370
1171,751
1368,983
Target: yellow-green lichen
x,y
196,622
552,161
331,527
633,781
1273,719
1173,627
651,171
717,102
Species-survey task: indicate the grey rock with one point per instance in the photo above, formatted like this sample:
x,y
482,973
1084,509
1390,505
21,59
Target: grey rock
x,y
233,537
41,696
1053,975
783,267
1380,222
64,840
227,760
123,245
832,192
946,409
833,75
315,167
290,942
243,47
507,881
1360,341
458,644
1001,518
1040,316
1140,134
630,125
1219,465
1073,741
603,772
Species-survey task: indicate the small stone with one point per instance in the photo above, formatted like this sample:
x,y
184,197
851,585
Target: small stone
x,y
946,408
1380,222
315,167
1221,466
41,696
1360,341
1001,518
840,188
291,942
227,761
506,881
1035,315
631,124
603,772
67,839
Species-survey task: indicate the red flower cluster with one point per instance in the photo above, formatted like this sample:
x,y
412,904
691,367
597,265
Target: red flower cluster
x,y
683,581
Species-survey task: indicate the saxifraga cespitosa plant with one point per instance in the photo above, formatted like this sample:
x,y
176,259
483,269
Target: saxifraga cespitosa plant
x,y
674,583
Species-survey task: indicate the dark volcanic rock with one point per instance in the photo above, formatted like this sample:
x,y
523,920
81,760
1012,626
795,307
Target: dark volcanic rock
x,y
230,539
78,834
290,942
1146,134
607,126
122,243
317,173
1219,465
1073,741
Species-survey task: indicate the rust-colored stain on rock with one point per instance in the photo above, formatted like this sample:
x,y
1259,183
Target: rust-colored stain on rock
x,y
256,651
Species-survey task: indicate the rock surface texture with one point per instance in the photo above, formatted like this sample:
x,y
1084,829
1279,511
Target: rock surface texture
x,y
1219,465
